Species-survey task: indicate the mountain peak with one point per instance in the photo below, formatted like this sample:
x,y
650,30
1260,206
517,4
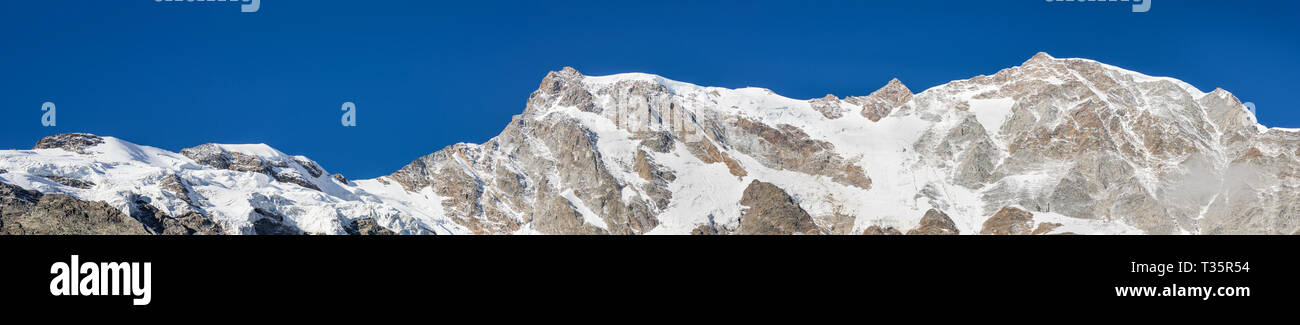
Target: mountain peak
x,y
895,83
1040,57
73,142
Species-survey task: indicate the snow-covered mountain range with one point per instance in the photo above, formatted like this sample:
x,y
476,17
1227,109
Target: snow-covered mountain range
x,y
1049,147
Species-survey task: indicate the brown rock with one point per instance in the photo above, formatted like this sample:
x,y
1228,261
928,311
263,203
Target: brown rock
x,y
1046,227
829,106
772,212
1010,221
935,222
882,102
878,231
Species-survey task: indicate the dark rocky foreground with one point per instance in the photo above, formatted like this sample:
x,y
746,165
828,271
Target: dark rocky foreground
x,y
24,212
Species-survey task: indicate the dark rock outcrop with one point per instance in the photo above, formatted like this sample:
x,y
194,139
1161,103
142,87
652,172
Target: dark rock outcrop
x,y
24,212
773,212
72,142
69,181
214,156
367,227
879,231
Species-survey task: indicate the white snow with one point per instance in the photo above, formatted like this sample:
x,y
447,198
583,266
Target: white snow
x,y
991,113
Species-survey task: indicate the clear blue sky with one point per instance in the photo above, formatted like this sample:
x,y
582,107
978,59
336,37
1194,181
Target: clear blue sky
x,y
427,74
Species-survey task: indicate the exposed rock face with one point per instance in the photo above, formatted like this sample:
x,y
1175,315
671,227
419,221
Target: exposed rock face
x,y
282,170
935,222
773,212
882,102
367,227
563,88
1015,221
789,148
25,212
1009,221
829,106
191,223
72,142
878,231
178,187
69,181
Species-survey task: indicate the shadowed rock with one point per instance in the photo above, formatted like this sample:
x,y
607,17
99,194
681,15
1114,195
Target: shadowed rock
x,y
25,212
772,212
367,227
878,231
72,142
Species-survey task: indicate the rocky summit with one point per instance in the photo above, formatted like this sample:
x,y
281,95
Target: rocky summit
x,y
1053,146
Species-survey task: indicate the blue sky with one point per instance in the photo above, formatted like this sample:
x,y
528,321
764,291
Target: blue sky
x,y
427,74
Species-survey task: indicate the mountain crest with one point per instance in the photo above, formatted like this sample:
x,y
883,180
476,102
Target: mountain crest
x,y
882,102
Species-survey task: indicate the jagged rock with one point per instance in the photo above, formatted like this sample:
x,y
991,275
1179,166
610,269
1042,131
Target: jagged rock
x,y
661,142
772,212
268,226
790,148
69,181
882,102
158,222
561,217
709,154
340,178
706,230
829,106
367,227
214,156
935,222
191,223
563,88
312,168
25,212
878,231
177,186
72,142
147,214
1011,221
